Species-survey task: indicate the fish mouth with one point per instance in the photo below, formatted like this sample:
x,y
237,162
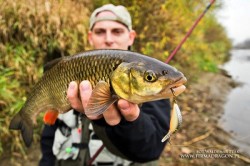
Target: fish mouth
x,y
177,87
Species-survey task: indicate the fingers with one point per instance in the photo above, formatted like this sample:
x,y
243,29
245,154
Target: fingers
x,y
85,89
130,111
85,92
112,116
80,102
72,95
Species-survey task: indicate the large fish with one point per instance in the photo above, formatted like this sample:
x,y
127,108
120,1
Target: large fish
x,y
113,74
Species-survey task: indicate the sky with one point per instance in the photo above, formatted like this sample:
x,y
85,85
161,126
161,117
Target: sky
x,y
235,17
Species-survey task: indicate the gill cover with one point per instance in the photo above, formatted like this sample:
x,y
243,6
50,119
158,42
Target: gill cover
x,y
135,82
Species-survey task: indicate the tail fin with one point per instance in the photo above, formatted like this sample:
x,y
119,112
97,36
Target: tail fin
x,y
25,125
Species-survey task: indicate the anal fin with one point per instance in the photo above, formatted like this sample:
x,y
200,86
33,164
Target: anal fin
x,y
50,117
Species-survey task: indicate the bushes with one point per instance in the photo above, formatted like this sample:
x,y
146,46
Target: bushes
x,y
31,33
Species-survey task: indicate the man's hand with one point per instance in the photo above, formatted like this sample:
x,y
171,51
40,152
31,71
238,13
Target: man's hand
x,y
112,116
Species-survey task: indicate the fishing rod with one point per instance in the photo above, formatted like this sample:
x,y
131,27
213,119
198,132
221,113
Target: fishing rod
x,y
92,159
190,31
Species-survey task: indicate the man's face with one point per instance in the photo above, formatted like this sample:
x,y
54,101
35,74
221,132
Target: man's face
x,y
110,34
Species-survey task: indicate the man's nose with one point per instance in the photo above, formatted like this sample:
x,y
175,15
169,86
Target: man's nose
x,y
109,37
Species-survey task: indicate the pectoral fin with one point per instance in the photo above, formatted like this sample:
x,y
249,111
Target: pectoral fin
x,y
100,100
50,117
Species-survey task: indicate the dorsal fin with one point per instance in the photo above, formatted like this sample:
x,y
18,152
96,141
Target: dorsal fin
x,y
51,64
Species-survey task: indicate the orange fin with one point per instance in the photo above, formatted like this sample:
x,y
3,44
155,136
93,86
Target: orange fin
x,y
100,99
50,117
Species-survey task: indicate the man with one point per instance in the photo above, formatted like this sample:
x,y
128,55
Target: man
x,y
131,132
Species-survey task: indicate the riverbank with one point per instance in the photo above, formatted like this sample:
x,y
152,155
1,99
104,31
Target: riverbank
x,y
200,141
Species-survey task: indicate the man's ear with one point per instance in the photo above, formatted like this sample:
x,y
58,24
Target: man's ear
x,y
132,35
90,38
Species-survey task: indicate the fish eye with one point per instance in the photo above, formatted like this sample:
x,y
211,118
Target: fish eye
x,y
150,76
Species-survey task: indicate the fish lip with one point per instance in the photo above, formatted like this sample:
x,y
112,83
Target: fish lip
x,y
177,86
175,91
178,82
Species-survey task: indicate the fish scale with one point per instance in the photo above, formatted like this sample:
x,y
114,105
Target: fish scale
x,y
113,74
73,71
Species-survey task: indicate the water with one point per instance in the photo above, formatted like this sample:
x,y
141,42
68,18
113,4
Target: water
x,y
236,118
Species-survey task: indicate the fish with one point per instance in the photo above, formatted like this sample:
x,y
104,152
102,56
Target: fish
x,y
175,121
113,74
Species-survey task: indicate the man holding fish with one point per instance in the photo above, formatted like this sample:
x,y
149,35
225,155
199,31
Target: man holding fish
x,y
128,129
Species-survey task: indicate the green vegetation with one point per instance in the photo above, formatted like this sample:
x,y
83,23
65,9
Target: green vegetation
x,y
34,32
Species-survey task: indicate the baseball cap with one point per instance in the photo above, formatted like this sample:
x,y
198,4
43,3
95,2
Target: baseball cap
x,y
121,15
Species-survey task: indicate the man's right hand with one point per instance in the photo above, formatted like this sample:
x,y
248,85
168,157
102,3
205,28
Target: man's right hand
x,y
112,116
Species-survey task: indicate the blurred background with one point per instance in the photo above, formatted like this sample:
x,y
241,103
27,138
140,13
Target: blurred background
x,y
215,59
